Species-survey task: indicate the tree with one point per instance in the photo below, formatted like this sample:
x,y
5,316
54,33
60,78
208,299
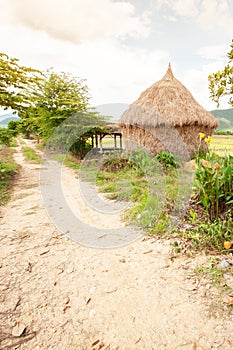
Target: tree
x,y
15,83
55,98
60,113
221,83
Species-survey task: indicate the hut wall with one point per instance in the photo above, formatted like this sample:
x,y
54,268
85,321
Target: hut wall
x,y
190,136
183,141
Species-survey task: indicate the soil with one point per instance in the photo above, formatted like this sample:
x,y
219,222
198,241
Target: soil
x,y
58,294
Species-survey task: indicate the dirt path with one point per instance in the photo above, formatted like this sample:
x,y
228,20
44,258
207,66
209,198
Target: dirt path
x,y
73,297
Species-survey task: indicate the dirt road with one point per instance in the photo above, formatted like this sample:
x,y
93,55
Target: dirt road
x,y
67,296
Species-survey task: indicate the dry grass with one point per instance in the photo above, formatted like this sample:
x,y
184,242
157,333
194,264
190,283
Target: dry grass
x,y
167,104
223,144
182,141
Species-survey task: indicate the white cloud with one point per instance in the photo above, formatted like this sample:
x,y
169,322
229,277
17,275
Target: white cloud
x,y
214,52
215,14
170,18
114,72
209,14
196,80
185,8
119,74
80,20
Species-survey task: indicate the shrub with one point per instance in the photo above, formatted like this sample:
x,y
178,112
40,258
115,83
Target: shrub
x,y
6,136
142,160
167,159
13,127
223,132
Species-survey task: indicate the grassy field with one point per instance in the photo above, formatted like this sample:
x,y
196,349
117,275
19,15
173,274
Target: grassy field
x,y
223,144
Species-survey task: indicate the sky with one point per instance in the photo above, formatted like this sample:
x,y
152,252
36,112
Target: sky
x,y
121,47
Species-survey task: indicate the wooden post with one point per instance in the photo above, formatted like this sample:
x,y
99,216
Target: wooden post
x,y
120,141
115,141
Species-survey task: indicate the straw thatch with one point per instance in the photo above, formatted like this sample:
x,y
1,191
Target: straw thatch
x,y
114,128
167,117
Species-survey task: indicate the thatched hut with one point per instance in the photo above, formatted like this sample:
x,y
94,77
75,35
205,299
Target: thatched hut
x,y
166,117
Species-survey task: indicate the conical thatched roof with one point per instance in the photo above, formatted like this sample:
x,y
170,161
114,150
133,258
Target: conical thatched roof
x,y
167,102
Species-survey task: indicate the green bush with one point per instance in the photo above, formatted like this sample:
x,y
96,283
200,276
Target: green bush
x,y
168,160
223,132
13,127
6,136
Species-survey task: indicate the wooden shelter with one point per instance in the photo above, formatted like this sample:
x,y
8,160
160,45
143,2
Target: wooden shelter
x,y
113,132
166,117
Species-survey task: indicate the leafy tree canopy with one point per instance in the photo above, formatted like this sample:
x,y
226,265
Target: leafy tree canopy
x,y
221,83
44,101
56,98
15,83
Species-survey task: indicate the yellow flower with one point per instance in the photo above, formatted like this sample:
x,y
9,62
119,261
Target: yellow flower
x,y
227,245
201,135
208,139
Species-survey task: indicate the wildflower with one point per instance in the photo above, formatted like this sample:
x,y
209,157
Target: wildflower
x,y
208,139
201,135
227,245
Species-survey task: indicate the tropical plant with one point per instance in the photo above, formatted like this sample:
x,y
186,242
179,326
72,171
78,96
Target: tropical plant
x,y
214,181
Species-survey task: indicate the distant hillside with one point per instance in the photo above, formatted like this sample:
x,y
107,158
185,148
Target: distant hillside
x,y
4,119
225,118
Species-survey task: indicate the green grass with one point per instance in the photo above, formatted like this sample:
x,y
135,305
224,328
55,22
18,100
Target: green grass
x,y
40,146
68,160
210,236
146,210
31,155
213,273
8,169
